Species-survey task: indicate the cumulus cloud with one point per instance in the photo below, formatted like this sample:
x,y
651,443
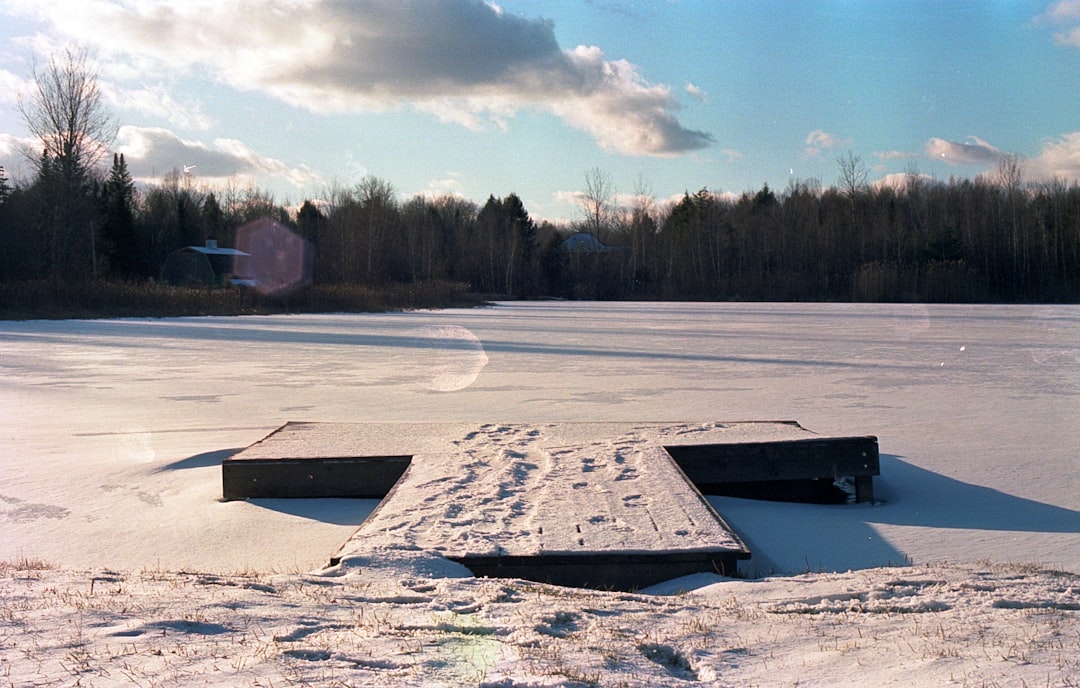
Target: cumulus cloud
x,y
1064,11
152,153
465,61
12,155
17,156
971,151
1059,158
819,141
569,197
11,85
618,201
1065,15
449,186
901,180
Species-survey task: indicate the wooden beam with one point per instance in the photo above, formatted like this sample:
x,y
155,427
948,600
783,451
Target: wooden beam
x,y
709,466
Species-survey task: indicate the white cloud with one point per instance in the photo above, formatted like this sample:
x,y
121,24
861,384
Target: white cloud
x,y
13,157
819,141
11,148
569,197
1059,158
1070,37
696,92
971,151
1063,11
1064,14
152,153
666,204
156,100
464,61
11,85
451,186
8,144
900,180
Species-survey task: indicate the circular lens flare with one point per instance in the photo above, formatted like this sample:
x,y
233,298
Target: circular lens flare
x,y
450,358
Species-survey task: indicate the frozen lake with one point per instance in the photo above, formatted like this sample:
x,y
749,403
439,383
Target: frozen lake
x,y
113,431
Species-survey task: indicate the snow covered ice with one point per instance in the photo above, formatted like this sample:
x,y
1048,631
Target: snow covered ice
x,y
113,433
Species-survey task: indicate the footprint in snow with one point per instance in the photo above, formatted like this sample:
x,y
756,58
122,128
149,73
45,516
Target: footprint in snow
x,y
670,659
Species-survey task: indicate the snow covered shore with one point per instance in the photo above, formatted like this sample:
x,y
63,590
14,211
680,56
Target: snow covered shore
x,y
962,625
112,435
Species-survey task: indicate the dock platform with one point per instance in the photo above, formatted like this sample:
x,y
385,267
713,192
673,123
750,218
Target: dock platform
x,y
606,505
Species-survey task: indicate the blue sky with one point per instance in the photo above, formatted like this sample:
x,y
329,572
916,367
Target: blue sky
x,y
477,98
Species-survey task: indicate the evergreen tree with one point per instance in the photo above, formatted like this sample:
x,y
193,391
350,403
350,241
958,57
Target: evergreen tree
x,y
523,276
489,243
214,220
5,188
311,224
118,228
7,238
309,221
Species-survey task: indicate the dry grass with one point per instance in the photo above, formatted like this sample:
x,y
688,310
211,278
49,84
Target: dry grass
x,y
25,564
103,298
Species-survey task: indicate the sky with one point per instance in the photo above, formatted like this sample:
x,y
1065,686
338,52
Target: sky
x,y
476,98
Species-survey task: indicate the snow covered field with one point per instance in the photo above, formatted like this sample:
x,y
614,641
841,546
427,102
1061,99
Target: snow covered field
x,y
112,435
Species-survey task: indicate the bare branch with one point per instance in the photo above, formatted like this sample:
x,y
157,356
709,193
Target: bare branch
x,y
66,112
598,199
852,174
1010,172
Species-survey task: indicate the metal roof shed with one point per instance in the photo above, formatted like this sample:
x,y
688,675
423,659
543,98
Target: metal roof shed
x,y
206,265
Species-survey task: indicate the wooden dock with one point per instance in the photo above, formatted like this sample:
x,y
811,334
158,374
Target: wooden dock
x,y
609,505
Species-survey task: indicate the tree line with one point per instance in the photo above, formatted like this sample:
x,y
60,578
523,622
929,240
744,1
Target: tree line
x,y
992,238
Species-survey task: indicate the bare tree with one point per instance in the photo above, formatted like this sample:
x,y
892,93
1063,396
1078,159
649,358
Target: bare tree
x,y
1009,174
66,113
67,116
852,174
852,182
598,200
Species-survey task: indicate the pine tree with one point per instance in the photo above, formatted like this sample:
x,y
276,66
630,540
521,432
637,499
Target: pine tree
x,y
523,275
214,219
118,230
5,188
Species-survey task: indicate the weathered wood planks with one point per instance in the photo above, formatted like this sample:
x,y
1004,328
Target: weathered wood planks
x,y
587,504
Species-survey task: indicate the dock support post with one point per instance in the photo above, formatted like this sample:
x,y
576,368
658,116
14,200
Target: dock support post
x,y
864,488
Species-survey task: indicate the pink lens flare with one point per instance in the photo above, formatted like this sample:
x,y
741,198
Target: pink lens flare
x,y
280,260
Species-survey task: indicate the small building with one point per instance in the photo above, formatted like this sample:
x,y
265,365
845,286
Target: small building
x,y
207,265
585,242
